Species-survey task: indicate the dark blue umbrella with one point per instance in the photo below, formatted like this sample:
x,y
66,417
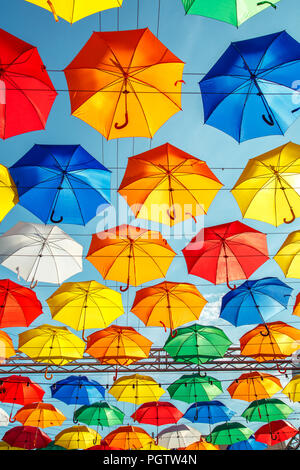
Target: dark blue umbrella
x,y
77,390
250,444
208,412
252,85
62,183
255,302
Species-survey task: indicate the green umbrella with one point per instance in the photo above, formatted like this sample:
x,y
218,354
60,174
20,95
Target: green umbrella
x,y
99,414
231,11
52,446
197,344
194,387
266,410
229,433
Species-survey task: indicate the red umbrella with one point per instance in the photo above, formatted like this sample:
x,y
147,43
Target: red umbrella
x,y
19,305
26,91
157,413
274,432
103,446
26,437
226,252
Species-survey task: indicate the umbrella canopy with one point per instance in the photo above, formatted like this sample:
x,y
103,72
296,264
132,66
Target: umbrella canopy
x,y
251,85
6,346
99,414
8,192
269,341
234,12
254,386
250,444
275,432
296,309
136,89
77,389
4,418
27,437
202,445
103,446
19,306
128,438
167,185
194,387
62,183
287,255
226,252
130,254
121,345
77,9
210,412
136,389
267,190
52,446
292,389
84,305
229,433
255,301
77,437
152,446
157,413
27,93
40,253
178,436
197,344
20,390
267,409
5,446
42,415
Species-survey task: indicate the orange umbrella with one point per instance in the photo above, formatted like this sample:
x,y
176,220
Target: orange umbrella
x,y
39,414
125,83
202,445
130,254
296,310
128,438
254,386
167,185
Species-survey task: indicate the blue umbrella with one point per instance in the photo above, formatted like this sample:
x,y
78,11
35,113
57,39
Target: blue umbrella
x,y
62,183
250,444
251,84
77,390
255,302
208,412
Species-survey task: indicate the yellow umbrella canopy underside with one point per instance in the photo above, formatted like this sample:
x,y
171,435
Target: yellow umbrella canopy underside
x,y
288,256
136,389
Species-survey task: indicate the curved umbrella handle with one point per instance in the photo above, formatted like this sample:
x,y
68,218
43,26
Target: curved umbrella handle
x,y
165,328
193,217
269,3
95,440
268,120
265,334
55,221
116,374
75,421
283,371
53,10
292,219
124,289
179,81
33,284
172,216
229,287
82,336
46,376
121,126
11,419
173,333
18,272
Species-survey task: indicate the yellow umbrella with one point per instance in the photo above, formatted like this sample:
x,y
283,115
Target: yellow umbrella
x,y
292,389
288,255
268,188
6,347
77,437
8,192
152,446
84,305
136,389
202,445
5,446
42,415
74,10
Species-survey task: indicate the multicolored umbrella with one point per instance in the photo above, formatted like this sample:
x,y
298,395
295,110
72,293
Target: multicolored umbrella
x,y
250,444
128,438
99,414
136,389
27,437
42,415
8,191
77,389
77,437
178,436
267,410
229,433
287,257
254,386
194,387
157,413
275,432
210,412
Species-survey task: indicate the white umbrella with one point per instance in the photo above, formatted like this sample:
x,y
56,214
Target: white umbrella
x,y
4,418
38,252
178,436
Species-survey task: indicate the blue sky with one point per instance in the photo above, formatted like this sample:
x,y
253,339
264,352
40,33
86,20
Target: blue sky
x,y
199,42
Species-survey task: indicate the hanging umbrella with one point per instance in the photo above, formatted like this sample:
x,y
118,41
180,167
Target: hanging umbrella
x,y
152,446
103,446
128,438
77,437
77,9
234,12
6,347
267,409
254,386
27,93
19,306
202,445
194,387
130,254
62,183
255,301
77,389
42,415
275,432
99,414
178,436
268,188
52,446
8,191
5,446
210,412
197,344
168,304
4,418
40,253
27,437
125,83
229,433
157,413
250,444
287,255
167,185
51,345
251,84
270,341
84,305
296,309
292,389
136,389
226,252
